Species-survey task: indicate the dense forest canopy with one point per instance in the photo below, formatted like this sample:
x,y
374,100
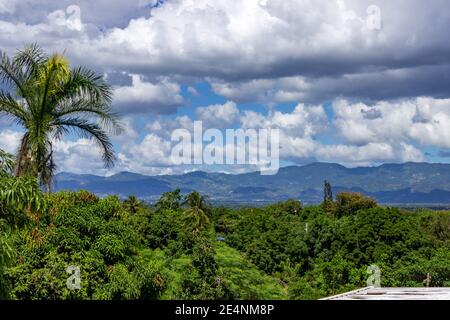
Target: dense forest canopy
x,y
184,248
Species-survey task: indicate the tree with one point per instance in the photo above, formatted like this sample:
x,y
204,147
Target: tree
x,y
327,192
348,203
132,204
195,217
50,100
169,200
196,200
20,199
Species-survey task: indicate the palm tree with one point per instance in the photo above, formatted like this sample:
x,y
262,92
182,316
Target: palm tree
x,y
132,204
195,216
50,100
196,200
169,200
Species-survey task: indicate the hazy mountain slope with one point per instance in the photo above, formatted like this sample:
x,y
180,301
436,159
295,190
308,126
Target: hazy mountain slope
x,y
389,183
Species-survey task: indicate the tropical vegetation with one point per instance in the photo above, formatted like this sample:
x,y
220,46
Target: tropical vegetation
x,y
184,248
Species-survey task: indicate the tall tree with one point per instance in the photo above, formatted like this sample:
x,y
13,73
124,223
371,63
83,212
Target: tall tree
x,y
50,100
132,204
169,200
195,216
196,200
327,192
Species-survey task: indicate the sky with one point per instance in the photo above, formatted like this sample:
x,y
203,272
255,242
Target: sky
x,y
354,82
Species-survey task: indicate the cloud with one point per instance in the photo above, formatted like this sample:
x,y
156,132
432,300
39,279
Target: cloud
x,y
164,127
303,121
369,154
162,97
128,133
365,86
150,156
300,129
10,140
193,91
423,120
218,115
230,39
152,149
7,6
81,156
253,51
69,18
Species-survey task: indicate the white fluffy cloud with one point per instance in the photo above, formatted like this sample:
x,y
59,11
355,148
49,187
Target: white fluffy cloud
x,y
228,38
9,140
218,115
304,120
152,150
370,134
80,156
368,154
60,27
423,120
146,97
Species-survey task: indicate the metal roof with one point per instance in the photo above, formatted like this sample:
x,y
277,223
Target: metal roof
x,y
371,293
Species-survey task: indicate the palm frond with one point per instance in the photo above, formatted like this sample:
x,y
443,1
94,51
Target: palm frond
x,y
11,108
30,58
12,74
48,76
82,108
87,129
88,84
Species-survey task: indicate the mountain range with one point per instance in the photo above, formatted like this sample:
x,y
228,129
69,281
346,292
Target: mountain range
x,y
402,184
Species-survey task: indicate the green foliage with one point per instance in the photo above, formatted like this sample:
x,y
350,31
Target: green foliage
x,y
133,204
244,280
270,237
348,203
190,250
21,200
318,254
7,164
94,234
19,197
169,201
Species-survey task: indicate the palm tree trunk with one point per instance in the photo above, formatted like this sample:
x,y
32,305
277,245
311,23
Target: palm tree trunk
x,y
21,155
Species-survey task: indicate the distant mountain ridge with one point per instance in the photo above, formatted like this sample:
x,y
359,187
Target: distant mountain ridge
x,y
408,183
